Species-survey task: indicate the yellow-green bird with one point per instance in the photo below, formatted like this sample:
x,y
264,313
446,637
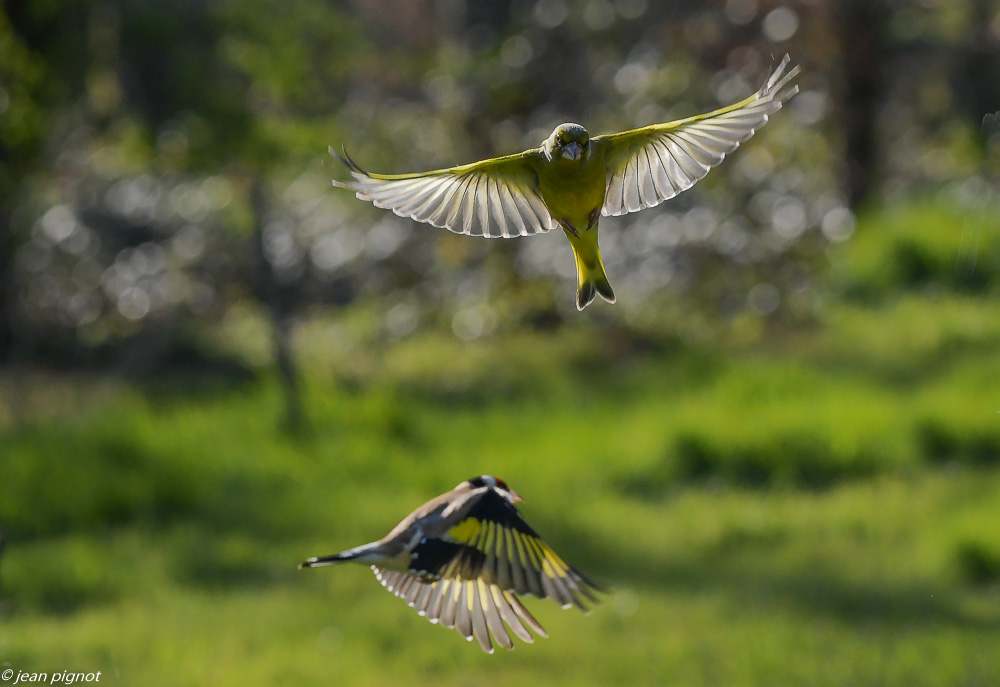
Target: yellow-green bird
x,y
572,179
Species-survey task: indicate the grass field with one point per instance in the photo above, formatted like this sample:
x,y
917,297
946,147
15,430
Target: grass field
x,y
818,505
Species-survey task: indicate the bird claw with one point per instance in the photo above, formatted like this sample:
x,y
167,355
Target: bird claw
x,y
570,229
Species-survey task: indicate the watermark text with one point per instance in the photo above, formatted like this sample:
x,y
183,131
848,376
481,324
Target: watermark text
x,y
65,677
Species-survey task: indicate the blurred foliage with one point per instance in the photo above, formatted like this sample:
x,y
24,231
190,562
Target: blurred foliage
x,y
167,162
926,247
814,504
780,448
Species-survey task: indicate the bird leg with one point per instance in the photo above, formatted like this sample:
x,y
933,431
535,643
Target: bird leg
x,y
570,229
595,214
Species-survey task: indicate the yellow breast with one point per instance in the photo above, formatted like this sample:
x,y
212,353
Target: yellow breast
x,y
572,189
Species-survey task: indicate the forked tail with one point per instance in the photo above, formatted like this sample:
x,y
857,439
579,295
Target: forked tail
x,y
591,279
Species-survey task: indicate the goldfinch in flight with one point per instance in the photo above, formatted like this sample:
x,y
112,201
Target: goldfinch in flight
x,y
462,558
572,179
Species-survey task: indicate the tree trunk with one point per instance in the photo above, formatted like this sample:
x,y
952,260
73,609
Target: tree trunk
x,y
7,296
861,29
279,299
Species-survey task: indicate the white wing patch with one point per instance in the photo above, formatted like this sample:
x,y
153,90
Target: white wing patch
x,y
671,158
478,200
475,608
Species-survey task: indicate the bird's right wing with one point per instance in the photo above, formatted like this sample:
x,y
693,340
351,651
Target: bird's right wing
x,y
474,607
650,165
493,198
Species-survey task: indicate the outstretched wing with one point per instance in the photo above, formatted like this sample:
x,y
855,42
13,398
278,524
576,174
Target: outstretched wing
x,y
492,198
474,607
468,578
650,165
498,545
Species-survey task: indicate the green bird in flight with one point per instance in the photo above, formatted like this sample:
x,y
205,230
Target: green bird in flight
x,y
572,179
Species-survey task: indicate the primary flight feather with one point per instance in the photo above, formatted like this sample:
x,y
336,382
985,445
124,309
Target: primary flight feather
x,y
572,179
462,558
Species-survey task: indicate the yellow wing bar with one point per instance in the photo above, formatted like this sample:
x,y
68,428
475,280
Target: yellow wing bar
x,y
519,562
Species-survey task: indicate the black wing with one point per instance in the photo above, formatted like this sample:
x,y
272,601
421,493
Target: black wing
x,y
495,543
469,577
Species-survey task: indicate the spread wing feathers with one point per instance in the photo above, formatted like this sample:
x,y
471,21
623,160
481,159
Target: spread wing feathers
x,y
469,577
492,198
475,608
497,545
650,165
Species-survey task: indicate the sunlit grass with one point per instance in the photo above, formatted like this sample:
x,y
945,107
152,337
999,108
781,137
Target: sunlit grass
x,y
926,245
818,508
710,586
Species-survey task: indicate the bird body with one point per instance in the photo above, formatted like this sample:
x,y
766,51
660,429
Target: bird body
x,y
573,190
573,178
462,558
394,551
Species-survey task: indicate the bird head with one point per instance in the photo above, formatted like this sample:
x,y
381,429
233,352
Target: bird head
x,y
569,141
494,483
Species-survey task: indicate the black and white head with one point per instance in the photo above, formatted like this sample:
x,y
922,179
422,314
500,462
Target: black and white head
x,y
495,483
569,141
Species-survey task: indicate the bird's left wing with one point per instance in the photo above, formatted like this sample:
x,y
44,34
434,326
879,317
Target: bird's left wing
x,y
498,545
492,198
650,165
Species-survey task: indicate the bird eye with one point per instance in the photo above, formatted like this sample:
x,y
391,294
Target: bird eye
x,y
559,140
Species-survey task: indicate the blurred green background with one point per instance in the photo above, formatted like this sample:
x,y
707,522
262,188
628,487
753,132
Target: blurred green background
x,y
780,449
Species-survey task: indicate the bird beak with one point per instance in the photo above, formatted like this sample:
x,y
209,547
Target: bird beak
x,y
514,496
572,150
